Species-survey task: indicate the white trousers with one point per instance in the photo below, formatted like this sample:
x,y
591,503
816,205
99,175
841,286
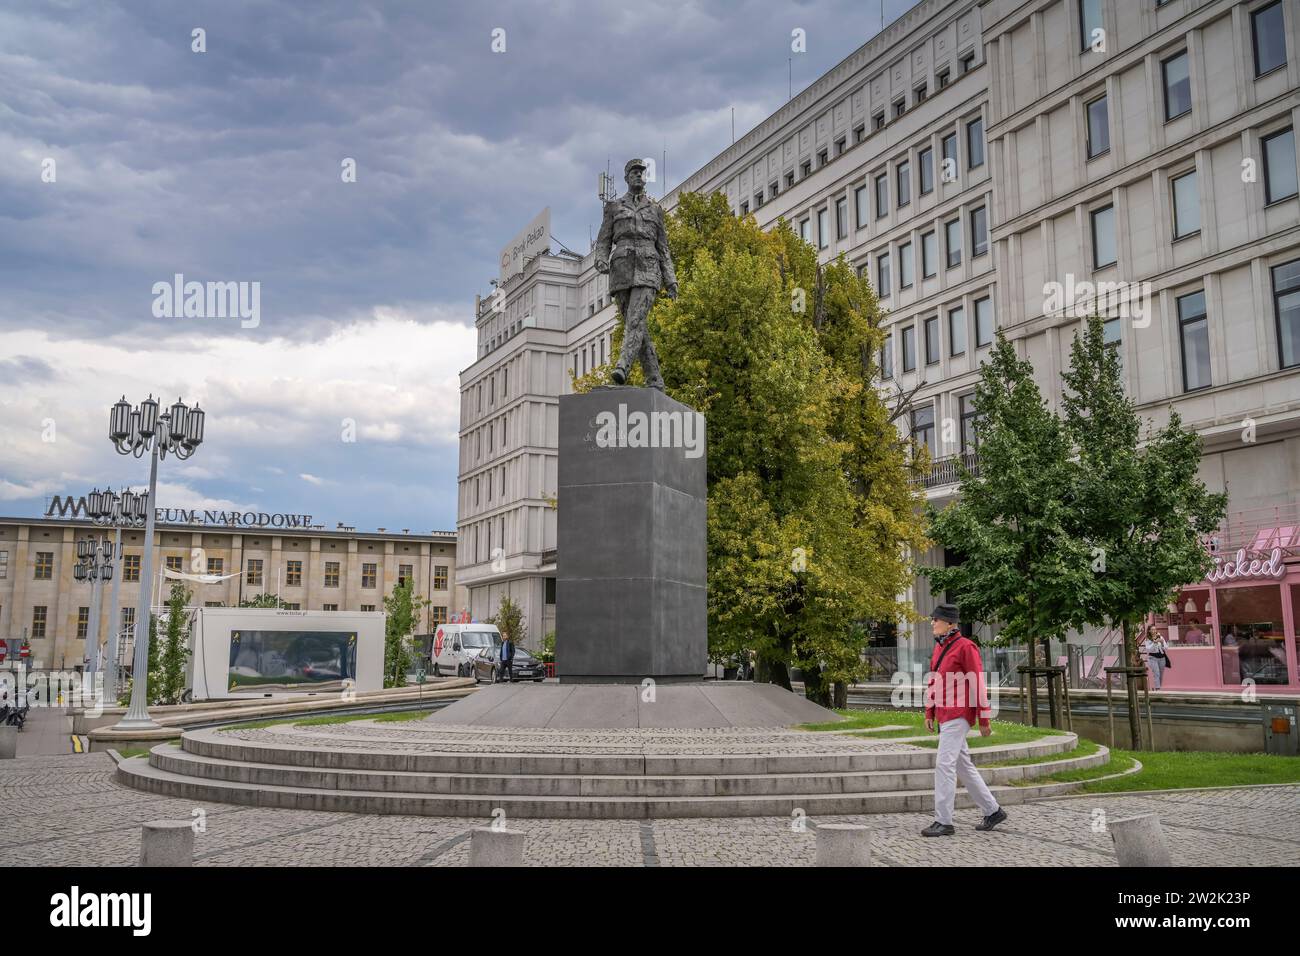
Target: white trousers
x,y
954,762
1157,666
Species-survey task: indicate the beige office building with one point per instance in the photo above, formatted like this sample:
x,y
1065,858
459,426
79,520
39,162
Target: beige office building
x,y
310,568
988,165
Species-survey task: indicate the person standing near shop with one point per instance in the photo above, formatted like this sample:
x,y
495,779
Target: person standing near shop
x,y
1153,649
957,700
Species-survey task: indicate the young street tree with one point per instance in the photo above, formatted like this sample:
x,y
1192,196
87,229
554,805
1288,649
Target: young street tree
x,y
509,620
1024,565
169,684
402,607
812,510
1142,506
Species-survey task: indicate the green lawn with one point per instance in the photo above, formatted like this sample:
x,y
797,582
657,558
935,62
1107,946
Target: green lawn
x,y
325,719
128,752
1004,732
1086,748
1175,770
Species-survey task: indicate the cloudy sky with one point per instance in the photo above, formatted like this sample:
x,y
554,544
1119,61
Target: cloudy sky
x,y
226,166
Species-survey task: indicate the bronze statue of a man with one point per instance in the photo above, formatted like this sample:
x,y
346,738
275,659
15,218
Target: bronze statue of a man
x,y
639,265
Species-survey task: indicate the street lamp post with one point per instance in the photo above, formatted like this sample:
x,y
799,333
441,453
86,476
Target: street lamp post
x,y
179,431
95,564
109,508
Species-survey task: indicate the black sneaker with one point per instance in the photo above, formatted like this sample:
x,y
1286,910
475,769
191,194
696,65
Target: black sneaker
x,y
992,820
939,829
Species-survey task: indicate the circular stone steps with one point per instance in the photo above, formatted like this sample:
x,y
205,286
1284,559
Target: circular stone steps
x,y
423,768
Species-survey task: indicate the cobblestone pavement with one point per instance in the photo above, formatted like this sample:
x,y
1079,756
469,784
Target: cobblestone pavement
x,y
67,811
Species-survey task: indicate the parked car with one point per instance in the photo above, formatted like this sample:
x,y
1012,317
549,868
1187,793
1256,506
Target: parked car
x,y
487,666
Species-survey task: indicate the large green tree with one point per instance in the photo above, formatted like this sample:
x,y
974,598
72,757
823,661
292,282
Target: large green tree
x,y
1142,506
167,682
813,513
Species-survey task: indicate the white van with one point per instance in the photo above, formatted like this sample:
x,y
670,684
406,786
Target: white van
x,y
456,645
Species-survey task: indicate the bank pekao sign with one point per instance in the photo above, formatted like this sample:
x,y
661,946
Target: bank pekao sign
x,y
535,238
68,507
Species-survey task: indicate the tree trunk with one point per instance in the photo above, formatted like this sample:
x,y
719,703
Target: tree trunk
x,y
841,695
778,671
1130,682
1051,686
814,686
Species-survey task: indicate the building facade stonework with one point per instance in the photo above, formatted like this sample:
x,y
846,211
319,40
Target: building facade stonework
x,y
309,568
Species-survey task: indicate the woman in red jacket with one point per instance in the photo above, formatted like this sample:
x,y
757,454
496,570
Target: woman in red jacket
x,y
956,697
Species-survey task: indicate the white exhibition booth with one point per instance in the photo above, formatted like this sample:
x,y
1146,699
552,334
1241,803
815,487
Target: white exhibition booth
x,y
261,652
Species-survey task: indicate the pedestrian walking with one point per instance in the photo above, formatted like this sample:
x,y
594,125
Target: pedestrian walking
x,y
956,698
507,670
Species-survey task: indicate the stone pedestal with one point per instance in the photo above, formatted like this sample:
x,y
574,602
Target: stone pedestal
x,y
489,847
631,559
167,843
843,844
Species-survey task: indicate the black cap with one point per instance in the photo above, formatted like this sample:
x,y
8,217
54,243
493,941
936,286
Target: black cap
x,y
945,612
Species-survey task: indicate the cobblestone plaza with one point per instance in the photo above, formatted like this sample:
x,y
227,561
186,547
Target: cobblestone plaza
x,y
68,811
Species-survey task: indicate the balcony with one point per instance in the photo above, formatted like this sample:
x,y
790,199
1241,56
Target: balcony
x,y
947,471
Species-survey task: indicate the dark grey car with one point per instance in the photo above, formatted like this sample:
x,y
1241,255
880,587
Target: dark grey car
x,y
487,666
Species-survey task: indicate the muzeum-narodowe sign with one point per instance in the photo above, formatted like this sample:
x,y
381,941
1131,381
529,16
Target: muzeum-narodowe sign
x,y
68,507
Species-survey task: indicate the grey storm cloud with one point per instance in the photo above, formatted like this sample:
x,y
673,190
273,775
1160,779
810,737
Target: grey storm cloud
x,y
225,165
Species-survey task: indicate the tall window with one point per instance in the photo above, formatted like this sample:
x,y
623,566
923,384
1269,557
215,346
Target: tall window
x,y
1187,205
216,565
842,218
805,230
923,426
404,572
905,277
44,567
440,577
860,207
368,575
983,322
130,567
957,331
882,274
1279,166
293,574
925,164
174,562
128,618
83,623
253,572
975,143
979,231
823,228
1103,237
1286,306
904,184
1098,127
4,565
1112,337
1089,22
39,613
882,196
1269,38
331,574
439,614
887,357
951,164
966,407
1178,85
932,340
929,254
966,63
952,239
1194,335
909,349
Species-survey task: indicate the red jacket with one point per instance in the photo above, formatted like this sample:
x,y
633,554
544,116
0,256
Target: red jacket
x,y
955,687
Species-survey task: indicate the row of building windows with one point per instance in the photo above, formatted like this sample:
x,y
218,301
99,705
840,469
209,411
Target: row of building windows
x,y
952,240
40,616
43,569
957,334
899,107
1267,39
949,171
585,359
497,383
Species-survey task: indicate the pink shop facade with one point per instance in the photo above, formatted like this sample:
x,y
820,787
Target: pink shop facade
x,y
1237,628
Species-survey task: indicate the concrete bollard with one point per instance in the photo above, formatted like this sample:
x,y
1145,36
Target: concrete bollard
x,y
1140,841
167,843
843,844
8,742
488,847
